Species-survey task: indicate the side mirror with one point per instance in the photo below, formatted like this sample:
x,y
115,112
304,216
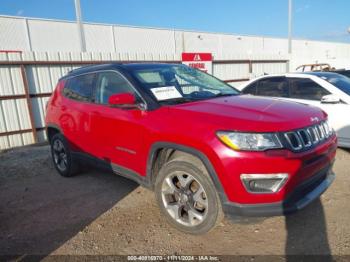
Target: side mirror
x,y
330,99
124,100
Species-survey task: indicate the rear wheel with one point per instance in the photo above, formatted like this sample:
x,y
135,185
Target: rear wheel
x,y
187,197
62,157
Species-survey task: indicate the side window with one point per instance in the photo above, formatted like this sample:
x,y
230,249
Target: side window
x,y
251,89
274,86
80,87
110,83
302,88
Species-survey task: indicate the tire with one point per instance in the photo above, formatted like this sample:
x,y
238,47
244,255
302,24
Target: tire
x,y
62,157
191,205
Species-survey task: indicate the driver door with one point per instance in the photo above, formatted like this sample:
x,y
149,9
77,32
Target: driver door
x,y
116,133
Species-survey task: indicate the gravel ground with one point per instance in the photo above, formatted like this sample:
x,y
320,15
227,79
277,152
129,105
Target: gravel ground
x,y
100,213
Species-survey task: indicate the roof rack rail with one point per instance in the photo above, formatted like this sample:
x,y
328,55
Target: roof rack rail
x,y
81,67
94,64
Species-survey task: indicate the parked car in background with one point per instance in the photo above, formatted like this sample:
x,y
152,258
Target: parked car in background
x,y
204,148
314,67
327,90
322,68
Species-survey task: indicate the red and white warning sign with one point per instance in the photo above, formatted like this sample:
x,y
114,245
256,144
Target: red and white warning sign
x,y
201,61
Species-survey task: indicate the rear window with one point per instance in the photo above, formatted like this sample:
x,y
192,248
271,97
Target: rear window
x,y
79,88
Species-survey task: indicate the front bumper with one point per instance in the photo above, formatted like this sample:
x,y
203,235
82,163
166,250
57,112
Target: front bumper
x,y
299,166
302,196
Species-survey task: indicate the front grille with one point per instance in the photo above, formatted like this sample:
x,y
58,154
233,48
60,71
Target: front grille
x,y
305,138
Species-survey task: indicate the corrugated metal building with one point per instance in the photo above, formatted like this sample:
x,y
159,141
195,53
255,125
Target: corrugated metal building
x,y
29,34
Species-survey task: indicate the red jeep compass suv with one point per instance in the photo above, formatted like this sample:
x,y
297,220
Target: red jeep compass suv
x,y
205,149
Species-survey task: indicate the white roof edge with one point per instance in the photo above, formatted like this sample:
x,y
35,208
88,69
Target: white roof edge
x,y
291,74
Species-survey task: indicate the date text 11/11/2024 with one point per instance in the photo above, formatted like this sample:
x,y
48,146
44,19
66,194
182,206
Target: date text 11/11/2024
x,y
172,258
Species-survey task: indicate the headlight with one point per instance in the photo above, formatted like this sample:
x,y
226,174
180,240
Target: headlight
x,y
250,141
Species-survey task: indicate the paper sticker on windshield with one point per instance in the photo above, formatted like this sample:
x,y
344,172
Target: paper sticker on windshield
x,y
166,92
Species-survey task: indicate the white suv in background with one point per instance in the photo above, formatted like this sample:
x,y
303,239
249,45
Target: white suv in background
x,y
329,91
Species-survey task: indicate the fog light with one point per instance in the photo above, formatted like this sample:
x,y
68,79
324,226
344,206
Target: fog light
x,y
264,183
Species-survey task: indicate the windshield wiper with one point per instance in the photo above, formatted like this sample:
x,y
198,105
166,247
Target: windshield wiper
x,y
177,100
223,94
181,100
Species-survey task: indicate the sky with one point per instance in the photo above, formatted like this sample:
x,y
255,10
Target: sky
x,y
312,19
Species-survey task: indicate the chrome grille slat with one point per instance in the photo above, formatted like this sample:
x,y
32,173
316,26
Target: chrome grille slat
x,y
321,132
317,134
314,137
307,137
326,127
294,140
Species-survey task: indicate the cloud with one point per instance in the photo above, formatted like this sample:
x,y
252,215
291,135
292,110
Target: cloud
x,y
20,12
303,8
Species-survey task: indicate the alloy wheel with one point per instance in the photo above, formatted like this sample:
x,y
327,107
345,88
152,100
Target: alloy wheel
x,y
184,199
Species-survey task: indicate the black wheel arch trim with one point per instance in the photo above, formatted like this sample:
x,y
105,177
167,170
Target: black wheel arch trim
x,y
54,126
190,150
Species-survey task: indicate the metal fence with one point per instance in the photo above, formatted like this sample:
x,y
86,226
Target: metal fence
x,y
27,80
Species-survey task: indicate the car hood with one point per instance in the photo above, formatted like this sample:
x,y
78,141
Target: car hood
x,y
248,113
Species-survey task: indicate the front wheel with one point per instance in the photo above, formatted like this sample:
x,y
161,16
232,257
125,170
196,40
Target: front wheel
x,y
187,197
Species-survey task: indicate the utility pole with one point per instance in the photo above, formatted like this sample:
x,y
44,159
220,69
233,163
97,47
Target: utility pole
x,y
290,7
80,26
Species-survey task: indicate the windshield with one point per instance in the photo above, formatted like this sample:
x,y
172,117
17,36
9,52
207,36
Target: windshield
x,y
179,83
344,73
340,81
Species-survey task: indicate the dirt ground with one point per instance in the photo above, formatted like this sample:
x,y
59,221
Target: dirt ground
x,y
100,213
